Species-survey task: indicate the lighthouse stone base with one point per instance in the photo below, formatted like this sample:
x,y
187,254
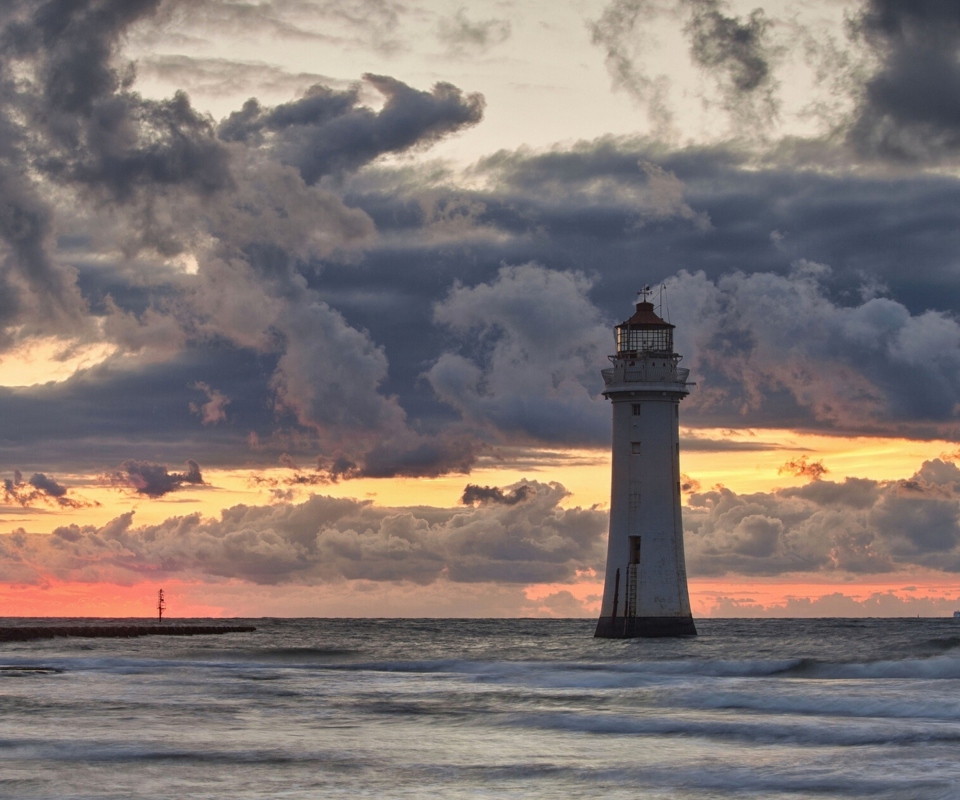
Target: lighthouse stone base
x,y
644,627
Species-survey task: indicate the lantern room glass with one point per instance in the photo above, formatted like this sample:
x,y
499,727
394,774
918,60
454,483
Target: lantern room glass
x,y
657,340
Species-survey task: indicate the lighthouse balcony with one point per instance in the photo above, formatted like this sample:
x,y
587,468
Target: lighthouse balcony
x,y
645,371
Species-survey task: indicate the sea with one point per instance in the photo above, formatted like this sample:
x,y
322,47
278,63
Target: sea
x,y
393,708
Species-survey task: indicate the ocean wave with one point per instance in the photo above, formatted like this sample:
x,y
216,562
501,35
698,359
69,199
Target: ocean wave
x,y
932,668
613,676
897,702
746,728
118,752
287,655
940,643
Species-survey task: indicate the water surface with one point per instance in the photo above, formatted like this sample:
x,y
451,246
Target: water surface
x,y
487,709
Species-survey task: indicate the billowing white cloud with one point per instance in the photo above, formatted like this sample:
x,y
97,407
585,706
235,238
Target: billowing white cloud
x,y
760,343
854,526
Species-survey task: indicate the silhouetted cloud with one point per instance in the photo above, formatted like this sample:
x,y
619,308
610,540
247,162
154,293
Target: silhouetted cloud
x,y
39,488
155,480
803,467
474,494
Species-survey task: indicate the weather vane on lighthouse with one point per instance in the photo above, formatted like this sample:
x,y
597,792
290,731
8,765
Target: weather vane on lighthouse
x,y
645,591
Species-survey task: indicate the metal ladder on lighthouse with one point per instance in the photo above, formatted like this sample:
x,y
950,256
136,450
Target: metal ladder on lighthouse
x,y
630,605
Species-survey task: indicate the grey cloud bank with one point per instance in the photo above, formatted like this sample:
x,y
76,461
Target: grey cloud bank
x,y
326,540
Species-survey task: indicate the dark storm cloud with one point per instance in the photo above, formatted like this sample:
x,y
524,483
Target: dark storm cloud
x,y
155,480
735,51
730,44
405,325
329,132
787,342
68,115
155,181
327,540
620,33
910,107
575,209
422,456
515,351
96,131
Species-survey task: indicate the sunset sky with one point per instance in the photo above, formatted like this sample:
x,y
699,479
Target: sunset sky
x,y
303,303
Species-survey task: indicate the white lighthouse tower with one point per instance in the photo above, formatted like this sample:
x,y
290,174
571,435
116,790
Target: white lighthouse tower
x,y
645,593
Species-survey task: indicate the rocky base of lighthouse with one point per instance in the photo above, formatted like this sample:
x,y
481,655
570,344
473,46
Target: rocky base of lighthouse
x,y
644,627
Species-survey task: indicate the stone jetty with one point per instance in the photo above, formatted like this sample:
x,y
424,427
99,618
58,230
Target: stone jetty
x,y
25,633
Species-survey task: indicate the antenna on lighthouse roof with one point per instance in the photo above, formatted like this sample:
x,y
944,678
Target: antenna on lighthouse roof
x,y
642,294
663,309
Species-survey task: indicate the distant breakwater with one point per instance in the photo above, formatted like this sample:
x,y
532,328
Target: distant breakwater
x,y
27,633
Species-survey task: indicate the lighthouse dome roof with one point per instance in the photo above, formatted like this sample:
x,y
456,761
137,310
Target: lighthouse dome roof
x,y
645,318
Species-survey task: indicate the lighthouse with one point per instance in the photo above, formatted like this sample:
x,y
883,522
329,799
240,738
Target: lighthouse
x,y
645,590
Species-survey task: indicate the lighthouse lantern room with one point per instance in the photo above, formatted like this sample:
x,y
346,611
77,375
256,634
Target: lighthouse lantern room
x,y
645,590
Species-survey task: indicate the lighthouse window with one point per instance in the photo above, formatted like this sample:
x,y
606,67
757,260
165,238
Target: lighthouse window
x,y
636,409
632,340
635,448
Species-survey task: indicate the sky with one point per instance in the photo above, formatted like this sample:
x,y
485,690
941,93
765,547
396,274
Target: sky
x,y
303,303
